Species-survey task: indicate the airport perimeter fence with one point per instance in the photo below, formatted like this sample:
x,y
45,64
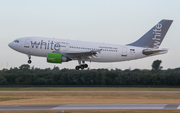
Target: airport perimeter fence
x,y
143,86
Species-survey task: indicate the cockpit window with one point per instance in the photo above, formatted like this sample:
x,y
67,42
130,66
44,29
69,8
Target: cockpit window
x,y
17,41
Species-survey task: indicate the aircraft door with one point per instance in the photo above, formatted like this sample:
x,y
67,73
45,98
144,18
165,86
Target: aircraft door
x,y
124,52
67,47
27,45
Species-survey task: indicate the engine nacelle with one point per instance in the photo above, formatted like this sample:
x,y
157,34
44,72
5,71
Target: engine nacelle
x,y
56,58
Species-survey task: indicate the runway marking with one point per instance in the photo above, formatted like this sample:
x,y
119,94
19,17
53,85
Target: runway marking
x,y
110,107
171,106
90,107
104,108
178,107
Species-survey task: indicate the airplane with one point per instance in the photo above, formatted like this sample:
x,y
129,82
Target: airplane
x,y
62,50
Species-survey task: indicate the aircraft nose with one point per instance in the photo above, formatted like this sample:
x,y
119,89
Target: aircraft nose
x,y
10,45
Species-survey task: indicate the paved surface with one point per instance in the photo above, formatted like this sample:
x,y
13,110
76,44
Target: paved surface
x,y
90,107
93,91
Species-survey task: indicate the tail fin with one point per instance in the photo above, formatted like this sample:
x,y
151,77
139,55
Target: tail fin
x,y
154,37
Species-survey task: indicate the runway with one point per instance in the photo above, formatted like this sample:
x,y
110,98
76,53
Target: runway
x,y
90,91
91,107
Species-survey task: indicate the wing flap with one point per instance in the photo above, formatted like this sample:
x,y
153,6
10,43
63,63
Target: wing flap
x,y
79,54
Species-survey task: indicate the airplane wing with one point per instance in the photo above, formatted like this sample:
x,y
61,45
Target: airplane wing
x,y
154,51
83,55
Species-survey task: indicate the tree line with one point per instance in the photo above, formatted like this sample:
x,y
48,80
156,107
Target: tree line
x,y
26,75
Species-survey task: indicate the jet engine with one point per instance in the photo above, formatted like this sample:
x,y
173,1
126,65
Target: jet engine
x,y
57,58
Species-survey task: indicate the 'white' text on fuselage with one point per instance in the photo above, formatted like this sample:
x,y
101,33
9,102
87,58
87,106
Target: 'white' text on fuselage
x,y
50,45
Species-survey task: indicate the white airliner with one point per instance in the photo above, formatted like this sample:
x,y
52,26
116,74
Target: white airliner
x,y
60,50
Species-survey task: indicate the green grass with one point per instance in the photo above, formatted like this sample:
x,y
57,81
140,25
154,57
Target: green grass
x,y
85,89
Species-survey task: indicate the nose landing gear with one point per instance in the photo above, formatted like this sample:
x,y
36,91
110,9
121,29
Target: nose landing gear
x,y
29,61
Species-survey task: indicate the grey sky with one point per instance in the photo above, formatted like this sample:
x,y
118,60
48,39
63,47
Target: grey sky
x,y
108,21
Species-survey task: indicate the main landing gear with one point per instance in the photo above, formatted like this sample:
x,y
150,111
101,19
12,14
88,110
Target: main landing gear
x,y
29,61
81,66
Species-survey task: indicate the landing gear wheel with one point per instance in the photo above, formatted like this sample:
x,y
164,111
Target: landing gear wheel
x,y
85,65
77,67
29,61
82,67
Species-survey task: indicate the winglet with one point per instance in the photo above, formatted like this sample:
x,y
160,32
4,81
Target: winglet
x,y
154,37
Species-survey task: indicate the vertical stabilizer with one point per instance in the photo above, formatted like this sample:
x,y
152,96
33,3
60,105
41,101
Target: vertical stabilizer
x,y
154,37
